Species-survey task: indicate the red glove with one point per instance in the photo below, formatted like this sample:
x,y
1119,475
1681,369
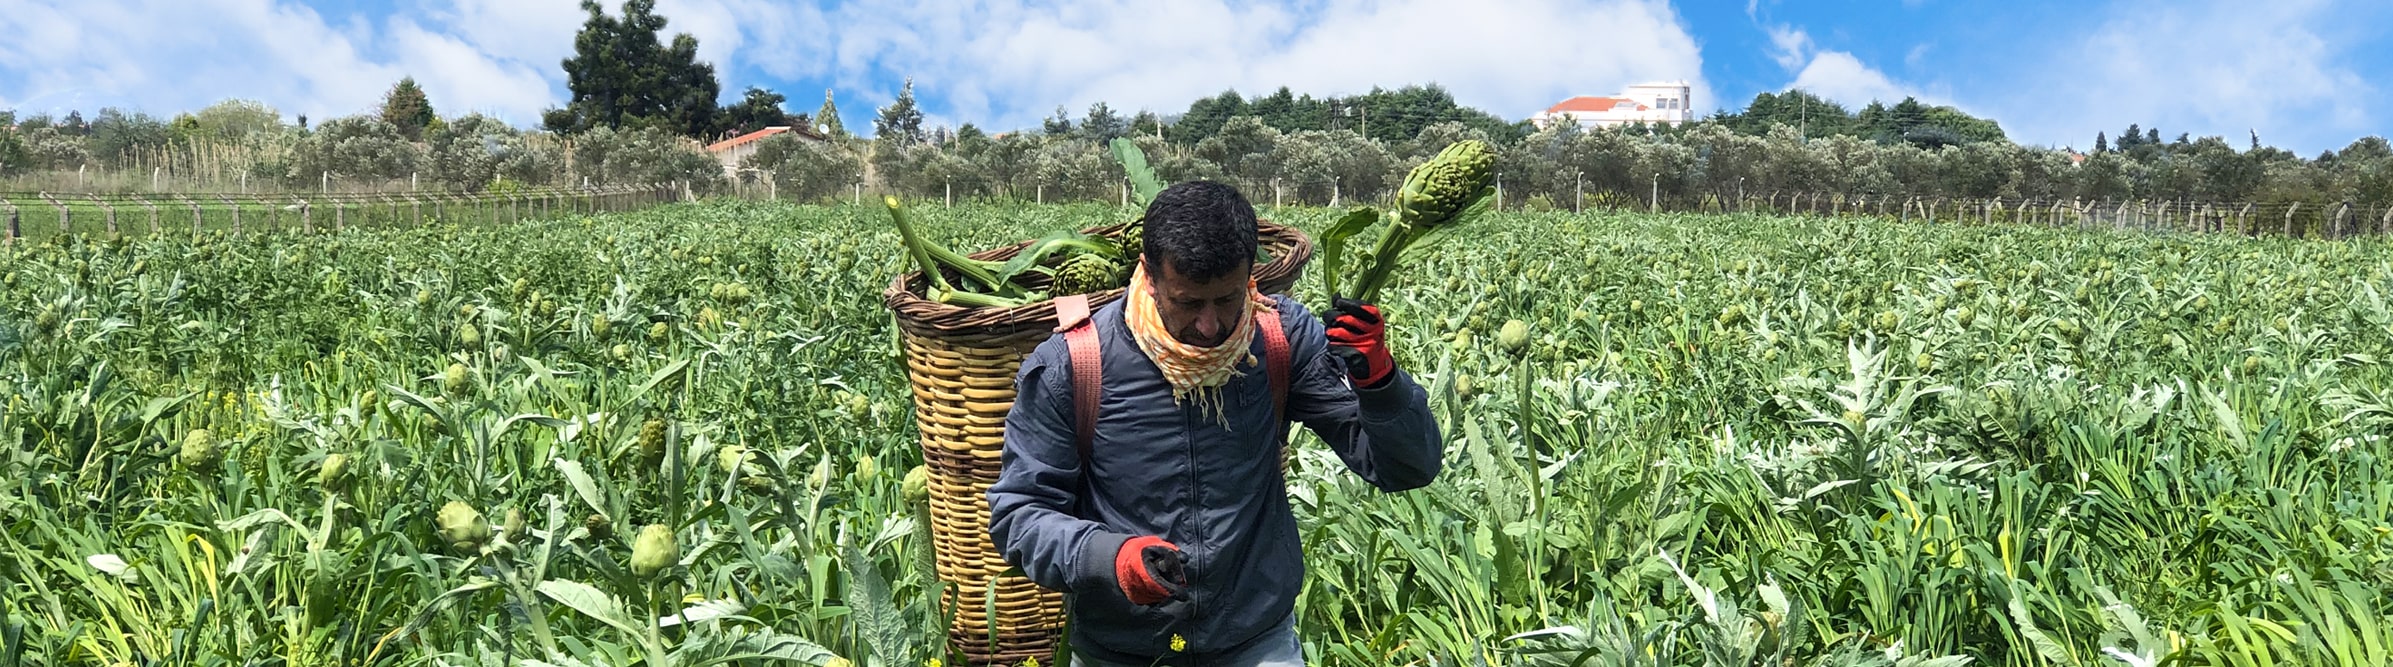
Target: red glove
x,y
1150,570
1358,335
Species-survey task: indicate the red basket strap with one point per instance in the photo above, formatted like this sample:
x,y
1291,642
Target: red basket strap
x,y
1276,362
1088,370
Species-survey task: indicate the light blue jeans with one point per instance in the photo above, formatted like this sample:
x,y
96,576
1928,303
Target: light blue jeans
x,y
1278,648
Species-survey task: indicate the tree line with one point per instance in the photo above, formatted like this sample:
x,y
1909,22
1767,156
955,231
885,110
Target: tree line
x,y
642,105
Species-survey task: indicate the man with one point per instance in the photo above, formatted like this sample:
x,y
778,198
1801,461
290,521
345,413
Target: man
x,y
1174,542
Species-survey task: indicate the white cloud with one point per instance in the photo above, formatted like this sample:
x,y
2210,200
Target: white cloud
x,y
1789,46
1002,63
1009,62
166,56
2217,67
1838,76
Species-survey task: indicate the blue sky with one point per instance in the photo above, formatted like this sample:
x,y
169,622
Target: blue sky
x,y
2305,74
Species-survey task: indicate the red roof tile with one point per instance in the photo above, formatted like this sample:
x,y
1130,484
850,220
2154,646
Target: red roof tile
x,y
1587,104
740,140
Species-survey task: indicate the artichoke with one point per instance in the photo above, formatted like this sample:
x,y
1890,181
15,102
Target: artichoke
x,y
1514,337
334,474
652,439
917,487
1437,195
463,526
454,381
1133,241
598,526
729,457
1088,273
653,550
199,450
1441,188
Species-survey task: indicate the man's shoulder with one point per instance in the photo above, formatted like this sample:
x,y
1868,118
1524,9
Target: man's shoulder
x,y
1297,320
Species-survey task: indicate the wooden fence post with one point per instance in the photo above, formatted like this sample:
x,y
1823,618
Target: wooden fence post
x,y
2289,217
2382,225
197,220
307,217
1990,208
2342,213
63,219
13,232
340,214
2243,220
153,207
110,211
228,203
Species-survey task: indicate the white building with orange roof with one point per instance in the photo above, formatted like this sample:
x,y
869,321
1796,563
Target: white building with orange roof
x,y
730,151
1668,102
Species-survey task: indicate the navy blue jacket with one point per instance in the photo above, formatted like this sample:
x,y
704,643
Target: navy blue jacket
x,y
1165,469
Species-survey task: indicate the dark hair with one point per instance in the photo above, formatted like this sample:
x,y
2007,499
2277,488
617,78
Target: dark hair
x,y
1206,229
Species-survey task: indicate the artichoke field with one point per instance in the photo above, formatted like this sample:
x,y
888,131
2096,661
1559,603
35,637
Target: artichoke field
x,y
683,437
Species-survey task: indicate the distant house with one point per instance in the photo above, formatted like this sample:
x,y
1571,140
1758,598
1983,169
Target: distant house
x,y
1670,102
731,151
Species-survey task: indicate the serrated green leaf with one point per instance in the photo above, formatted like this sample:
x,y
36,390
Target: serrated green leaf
x,y
590,602
1143,183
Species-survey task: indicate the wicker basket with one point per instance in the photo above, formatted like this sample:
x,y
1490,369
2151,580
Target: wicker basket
x,y
961,363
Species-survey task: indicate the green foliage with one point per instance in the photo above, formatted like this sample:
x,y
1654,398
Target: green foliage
x,y
473,151
353,147
406,108
117,136
643,156
1384,115
900,123
828,118
234,120
622,75
807,170
760,109
1102,125
1722,440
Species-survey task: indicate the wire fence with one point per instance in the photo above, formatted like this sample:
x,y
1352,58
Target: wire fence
x,y
39,214
2297,219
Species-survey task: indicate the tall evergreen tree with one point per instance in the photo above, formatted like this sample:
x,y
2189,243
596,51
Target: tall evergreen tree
x,y
900,122
1059,124
621,74
2101,143
1102,124
1205,117
1146,124
758,110
406,108
828,117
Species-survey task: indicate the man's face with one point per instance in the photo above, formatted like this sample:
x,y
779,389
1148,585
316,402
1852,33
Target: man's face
x,y
1201,313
